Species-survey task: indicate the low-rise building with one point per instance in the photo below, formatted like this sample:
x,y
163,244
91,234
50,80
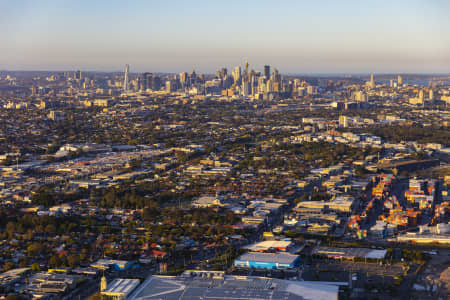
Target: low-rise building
x,y
267,260
120,289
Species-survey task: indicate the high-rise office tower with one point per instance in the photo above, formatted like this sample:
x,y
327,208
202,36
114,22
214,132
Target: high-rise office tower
x,y
246,88
261,84
251,75
372,81
144,81
183,78
125,79
138,85
269,86
253,85
421,96
34,91
267,71
168,86
296,84
193,77
360,96
156,83
224,72
276,77
237,74
227,82
399,80
431,95
246,71
77,75
343,121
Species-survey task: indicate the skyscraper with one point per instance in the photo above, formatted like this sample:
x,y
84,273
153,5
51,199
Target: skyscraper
x,y
246,71
237,74
183,78
360,96
267,71
169,86
224,72
193,77
276,77
156,83
419,99
145,81
246,88
372,81
125,79
399,80
77,75
343,121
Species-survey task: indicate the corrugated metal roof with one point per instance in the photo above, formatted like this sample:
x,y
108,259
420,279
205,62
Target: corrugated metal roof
x,y
122,286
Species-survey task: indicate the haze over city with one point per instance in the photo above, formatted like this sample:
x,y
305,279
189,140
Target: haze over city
x,y
181,150
174,36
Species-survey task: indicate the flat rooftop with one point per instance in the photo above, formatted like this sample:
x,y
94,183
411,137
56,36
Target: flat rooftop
x,y
265,245
284,258
351,252
14,272
121,286
232,288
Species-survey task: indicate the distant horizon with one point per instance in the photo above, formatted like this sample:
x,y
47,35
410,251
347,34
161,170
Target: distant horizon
x,y
326,37
325,74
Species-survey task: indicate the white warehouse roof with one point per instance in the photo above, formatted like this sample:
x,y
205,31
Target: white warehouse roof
x,y
121,287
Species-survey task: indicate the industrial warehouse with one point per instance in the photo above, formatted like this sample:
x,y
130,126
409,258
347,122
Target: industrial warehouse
x,y
120,265
270,245
120,288
193,285
272,261
350,253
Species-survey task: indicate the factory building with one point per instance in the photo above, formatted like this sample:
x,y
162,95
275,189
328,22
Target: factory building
x,y
272,261
120,289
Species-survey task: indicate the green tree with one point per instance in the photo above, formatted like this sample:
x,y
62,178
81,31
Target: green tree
x,y
44,196
34,248
54,261
73,260
35,267
50,228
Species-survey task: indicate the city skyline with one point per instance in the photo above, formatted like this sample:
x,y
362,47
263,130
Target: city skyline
x,y
224,149
299,38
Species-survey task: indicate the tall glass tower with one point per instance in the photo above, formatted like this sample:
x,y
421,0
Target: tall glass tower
x,y
125,80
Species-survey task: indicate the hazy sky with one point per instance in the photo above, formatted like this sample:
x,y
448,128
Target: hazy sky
x,y
340,36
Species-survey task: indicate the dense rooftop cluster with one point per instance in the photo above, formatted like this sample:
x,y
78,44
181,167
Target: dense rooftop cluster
x,y
173,172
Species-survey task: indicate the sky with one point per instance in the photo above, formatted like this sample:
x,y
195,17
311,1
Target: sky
x,y
296,37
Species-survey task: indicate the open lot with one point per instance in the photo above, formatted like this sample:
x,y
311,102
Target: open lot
x,y
434,280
